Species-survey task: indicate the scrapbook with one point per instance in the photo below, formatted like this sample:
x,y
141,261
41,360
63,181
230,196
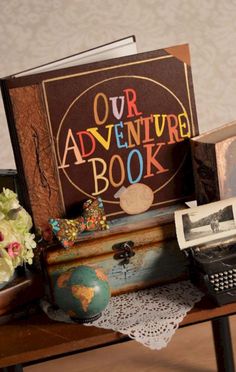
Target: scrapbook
x,y
102,139
117,129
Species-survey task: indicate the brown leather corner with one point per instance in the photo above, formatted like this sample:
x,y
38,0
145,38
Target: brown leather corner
x,y
181,52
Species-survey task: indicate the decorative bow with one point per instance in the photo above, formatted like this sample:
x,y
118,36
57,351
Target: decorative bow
x,y
93,219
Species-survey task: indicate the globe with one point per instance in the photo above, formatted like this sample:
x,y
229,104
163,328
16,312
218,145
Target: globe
x,y
82,292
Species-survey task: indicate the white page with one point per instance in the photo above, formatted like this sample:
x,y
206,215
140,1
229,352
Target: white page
x,y
115,49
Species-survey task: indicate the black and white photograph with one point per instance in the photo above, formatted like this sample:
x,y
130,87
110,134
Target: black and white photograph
x,y
206,223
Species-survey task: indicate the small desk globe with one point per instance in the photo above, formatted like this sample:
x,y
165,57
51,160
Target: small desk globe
x,y
83,293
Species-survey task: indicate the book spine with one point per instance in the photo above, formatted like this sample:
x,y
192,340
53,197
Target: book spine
x,y
205,172
22,190
28,125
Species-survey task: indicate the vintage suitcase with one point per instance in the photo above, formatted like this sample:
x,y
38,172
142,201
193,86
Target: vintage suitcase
x,y
136,252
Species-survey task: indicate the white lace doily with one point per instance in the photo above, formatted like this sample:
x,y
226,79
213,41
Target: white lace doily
x,y
149,316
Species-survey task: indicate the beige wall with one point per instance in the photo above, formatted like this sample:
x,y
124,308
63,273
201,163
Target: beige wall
x,y
33,32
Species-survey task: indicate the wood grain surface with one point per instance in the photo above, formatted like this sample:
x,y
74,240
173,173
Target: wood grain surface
x,y
39,337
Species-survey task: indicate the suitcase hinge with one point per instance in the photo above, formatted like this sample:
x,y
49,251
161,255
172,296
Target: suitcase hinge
x,y
123,251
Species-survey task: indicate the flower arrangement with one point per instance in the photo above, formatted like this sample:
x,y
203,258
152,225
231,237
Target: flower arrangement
x,y
16,241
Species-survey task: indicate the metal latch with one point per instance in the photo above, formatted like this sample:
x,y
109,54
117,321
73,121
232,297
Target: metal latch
x,y
123,251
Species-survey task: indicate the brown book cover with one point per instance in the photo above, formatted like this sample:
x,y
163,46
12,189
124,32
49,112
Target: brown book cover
x,y
213,155
117,129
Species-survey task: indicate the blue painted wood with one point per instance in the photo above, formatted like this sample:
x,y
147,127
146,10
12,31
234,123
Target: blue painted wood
x,y
158,263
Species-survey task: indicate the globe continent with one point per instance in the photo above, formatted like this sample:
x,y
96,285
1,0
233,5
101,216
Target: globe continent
x,y
83,292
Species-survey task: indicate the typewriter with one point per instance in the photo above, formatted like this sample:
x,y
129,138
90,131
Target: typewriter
x,y
207,234
213,270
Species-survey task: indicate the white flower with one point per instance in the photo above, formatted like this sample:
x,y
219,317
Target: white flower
x,y
29,244
8,234
29,241
6,266
16,242
22,222
8,201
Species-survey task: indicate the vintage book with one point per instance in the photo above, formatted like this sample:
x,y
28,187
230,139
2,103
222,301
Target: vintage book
x,y
138,252
213,155
118,129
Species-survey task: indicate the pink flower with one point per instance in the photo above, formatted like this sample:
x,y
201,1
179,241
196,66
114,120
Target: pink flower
x,y
1,237
13,249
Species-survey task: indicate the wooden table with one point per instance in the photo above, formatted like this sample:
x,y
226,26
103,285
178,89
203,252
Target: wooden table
x,y
39,338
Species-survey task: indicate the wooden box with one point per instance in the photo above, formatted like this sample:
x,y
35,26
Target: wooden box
x,y
137,252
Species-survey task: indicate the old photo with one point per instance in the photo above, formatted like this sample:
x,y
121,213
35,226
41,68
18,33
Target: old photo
x,y
206,223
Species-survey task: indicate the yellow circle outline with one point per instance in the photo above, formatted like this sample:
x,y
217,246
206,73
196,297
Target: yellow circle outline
x,y
91,87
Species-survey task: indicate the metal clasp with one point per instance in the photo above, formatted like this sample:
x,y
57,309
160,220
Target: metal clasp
x,y
124,251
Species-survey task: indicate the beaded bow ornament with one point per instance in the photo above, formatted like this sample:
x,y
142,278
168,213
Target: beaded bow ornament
x,y
93,218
